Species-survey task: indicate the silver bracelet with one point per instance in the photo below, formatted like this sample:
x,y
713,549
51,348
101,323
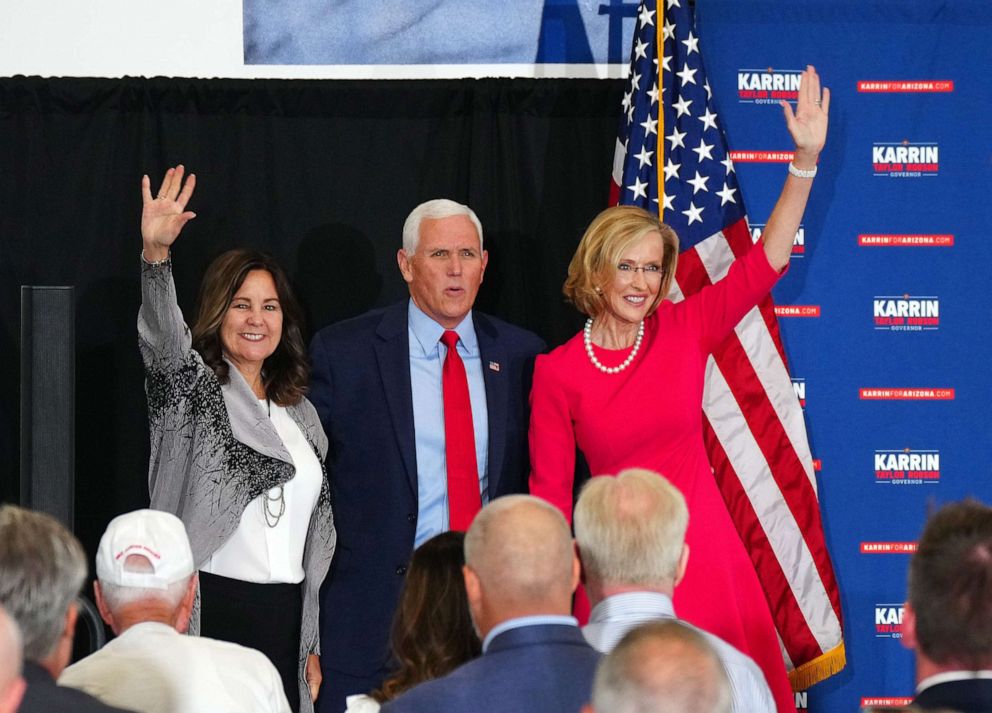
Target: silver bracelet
x,y
156,263
800,173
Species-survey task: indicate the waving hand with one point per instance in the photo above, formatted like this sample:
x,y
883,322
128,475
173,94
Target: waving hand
x,y
163,217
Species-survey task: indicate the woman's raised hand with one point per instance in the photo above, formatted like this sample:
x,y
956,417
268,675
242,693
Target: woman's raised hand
x,y
163,217
808,124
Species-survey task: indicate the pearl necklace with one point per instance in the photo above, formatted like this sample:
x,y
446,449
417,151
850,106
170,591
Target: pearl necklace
x,y
587,338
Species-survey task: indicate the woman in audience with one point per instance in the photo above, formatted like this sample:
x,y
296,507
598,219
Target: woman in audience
x,y
628,389
236,448
432,629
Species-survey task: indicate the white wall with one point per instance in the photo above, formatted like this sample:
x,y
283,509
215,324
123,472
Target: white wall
x,y
181,38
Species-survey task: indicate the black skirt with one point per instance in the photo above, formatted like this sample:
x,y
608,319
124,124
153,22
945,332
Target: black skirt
x,y
265,617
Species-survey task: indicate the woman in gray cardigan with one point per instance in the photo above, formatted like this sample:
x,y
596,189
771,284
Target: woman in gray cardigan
x,y
236,449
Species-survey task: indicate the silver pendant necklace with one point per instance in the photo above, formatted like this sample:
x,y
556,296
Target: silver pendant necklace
x,y
269,501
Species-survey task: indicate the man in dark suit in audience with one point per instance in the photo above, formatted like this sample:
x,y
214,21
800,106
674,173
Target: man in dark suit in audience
x,y
42,569
948,617
520,573
384,385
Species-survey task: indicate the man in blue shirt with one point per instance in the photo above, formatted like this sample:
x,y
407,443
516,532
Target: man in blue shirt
x,y
377,385
520,573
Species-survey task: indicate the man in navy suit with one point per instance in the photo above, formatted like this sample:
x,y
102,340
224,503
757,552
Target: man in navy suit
x,y
520,572
948,618
377,386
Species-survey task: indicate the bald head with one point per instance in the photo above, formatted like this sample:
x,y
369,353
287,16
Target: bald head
x,y
661,667
519,550
11,683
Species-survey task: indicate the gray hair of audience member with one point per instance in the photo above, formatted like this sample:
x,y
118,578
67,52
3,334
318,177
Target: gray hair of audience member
x,y
435,210
950,586
11,650
42,570
661,667
116,596
521,549
630,529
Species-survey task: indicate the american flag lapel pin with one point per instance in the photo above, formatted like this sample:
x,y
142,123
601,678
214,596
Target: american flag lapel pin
x,y
494,365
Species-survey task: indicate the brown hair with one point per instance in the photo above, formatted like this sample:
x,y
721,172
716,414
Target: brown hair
x,y
286,371
432,630
950,586
595,260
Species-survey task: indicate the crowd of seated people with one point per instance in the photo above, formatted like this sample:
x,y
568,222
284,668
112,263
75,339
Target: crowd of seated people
x,y
484,622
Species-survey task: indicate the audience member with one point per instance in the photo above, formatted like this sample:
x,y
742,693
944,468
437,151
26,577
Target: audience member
x,y
630,532
432,630
520,573
146,584
662,667
42,568
11,682
948,617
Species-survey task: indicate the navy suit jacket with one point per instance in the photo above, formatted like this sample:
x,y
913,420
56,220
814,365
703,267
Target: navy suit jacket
x,y
966,696
534,669
360,386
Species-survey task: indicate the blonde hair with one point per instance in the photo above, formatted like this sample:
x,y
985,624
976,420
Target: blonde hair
x,y
607,237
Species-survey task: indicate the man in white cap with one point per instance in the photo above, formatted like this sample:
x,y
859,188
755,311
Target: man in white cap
x,y
146,584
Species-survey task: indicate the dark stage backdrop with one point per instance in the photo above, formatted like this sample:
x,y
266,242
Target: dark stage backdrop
x,y
320,173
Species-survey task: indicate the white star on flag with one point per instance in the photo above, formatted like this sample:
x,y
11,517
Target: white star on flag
x,y
694,213
644,157
704,150
698,183
639,189
726,195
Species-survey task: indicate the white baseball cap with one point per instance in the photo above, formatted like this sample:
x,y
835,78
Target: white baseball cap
x,y
158,536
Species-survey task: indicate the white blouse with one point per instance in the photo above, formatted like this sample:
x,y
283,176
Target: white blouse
x,y
257,552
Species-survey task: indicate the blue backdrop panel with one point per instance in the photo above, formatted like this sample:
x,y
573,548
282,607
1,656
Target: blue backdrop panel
x,y
909,81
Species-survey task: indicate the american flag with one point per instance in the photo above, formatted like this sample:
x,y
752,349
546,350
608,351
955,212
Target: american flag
x,y
753,424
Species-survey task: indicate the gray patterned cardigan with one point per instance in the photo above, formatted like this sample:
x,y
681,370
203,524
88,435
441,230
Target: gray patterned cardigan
x,y
214,449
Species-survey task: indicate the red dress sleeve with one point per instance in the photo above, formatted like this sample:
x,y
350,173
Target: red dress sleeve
x,y
552,438
716,309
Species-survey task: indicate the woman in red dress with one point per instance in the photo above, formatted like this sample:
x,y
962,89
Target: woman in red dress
x,y
628,389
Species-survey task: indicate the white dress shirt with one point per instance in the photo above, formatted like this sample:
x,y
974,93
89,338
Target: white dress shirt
x,y
256,552
615,616
154,669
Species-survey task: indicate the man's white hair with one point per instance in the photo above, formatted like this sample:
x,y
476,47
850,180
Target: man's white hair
x,y
630,529
434,210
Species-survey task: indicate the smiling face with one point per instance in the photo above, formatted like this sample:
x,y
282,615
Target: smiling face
x,y
445,272
634,290
252,325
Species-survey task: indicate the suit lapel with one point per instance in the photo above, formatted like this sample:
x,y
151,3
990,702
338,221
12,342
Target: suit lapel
x,y
392,351
494,373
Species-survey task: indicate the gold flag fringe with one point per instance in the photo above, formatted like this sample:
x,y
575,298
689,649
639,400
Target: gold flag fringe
x,y
819,669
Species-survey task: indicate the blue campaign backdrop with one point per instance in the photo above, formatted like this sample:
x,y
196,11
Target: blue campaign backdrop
x,y
894,261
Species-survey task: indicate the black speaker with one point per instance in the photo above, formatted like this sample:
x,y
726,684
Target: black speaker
x,y
48,400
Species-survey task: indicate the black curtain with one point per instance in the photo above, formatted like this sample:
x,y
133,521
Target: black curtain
x,y
320,173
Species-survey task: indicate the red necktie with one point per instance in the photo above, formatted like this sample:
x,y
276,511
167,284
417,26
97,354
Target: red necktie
x,y
464,500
